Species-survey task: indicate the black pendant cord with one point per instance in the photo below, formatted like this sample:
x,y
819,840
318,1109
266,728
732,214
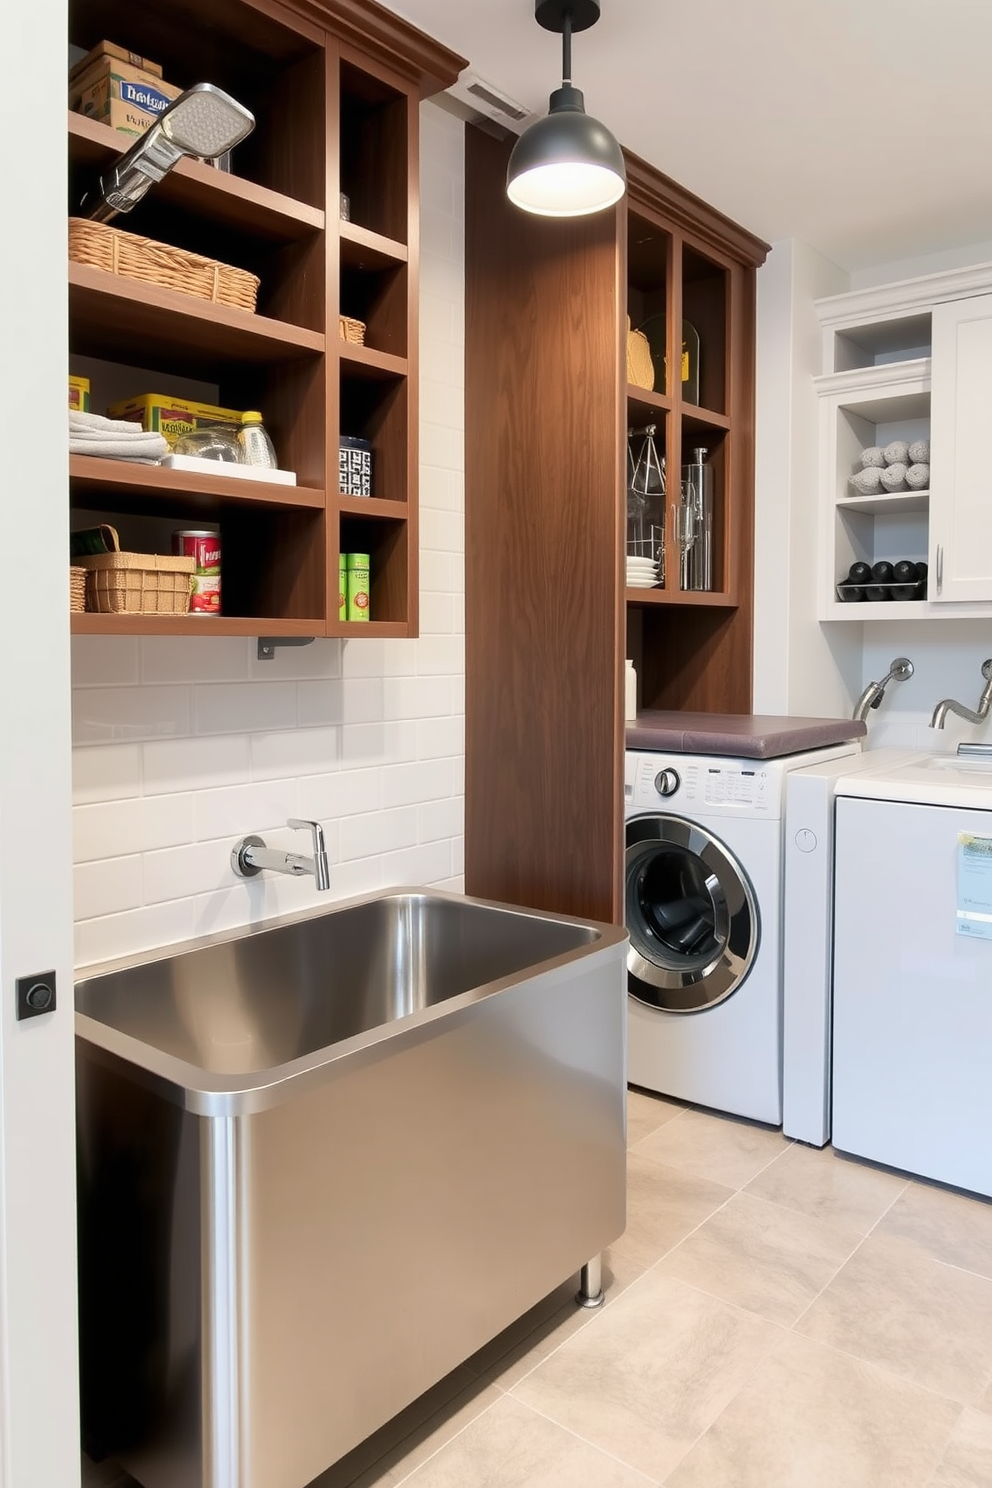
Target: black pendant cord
x,y
566,50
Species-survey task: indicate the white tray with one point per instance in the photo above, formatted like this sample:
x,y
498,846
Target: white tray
x,y
223,467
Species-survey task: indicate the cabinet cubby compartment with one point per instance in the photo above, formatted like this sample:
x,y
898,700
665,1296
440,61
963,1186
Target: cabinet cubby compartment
x,y
704,306
387,544
374,145
378,410
649,259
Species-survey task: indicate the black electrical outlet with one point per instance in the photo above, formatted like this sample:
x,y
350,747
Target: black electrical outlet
x,y
36,995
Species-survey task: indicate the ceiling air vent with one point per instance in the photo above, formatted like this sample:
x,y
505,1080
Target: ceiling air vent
x,y
491,102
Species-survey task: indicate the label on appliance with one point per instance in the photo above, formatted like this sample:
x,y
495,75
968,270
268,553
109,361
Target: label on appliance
x,y
974,911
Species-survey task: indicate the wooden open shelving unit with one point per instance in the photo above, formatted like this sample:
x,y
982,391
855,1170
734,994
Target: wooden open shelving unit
x,y
335,89
548,617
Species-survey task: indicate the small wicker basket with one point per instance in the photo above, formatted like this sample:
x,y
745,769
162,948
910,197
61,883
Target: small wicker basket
x,y
351,330
77,588
138,583
134,257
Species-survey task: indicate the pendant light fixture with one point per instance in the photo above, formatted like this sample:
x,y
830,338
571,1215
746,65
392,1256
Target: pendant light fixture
x,y
566,164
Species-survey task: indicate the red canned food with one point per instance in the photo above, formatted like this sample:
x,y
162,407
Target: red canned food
x,y
204,549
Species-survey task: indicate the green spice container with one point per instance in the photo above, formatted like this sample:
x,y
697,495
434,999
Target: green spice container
x,y
358,586
343,586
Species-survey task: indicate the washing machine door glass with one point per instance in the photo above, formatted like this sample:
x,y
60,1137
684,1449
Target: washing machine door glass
x,y
691,915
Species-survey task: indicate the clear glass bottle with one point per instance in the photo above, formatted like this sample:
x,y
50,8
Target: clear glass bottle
x,y
256,446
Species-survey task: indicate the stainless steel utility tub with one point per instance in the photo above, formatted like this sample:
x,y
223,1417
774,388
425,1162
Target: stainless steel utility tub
x,y
323,1160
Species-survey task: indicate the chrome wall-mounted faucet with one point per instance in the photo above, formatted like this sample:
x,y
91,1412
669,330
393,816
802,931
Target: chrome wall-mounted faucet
x,y
979,715
250,856
899,671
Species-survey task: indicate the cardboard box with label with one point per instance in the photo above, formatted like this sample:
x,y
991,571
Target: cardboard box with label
x,y
120,94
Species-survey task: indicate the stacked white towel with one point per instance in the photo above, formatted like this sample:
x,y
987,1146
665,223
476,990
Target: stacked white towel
x,y
113,439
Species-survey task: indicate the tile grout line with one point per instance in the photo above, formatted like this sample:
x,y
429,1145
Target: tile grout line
x,y
652,1482
833,1277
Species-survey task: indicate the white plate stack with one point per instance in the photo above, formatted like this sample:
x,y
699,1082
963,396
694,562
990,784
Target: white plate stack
x,y
642,573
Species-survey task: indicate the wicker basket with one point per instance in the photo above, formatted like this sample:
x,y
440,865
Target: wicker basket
x,y
351,330
77,588
134,257
138,583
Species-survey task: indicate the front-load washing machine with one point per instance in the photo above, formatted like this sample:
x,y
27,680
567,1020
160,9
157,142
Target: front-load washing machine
x,y
703,871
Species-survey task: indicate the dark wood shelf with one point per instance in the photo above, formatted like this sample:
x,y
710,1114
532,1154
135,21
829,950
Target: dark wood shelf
x,y
648,400
361,248
374,506
191,625
363,361
703,418
222,197
385,629
91,477
110,316
709,599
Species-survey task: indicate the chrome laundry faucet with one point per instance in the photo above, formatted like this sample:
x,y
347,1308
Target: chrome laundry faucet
x,y
899,671
250,856
979,715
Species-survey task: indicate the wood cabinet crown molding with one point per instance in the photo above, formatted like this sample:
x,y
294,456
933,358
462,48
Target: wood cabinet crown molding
x,y
384,35
649,187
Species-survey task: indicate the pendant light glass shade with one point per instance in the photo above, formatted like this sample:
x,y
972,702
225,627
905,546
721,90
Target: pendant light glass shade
x,y
566,164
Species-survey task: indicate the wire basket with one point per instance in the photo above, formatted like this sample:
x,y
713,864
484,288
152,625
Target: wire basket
x,y
133,257
138,583
351,330
77,588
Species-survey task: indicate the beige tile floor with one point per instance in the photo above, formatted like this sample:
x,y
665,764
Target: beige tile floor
x,y
776,1317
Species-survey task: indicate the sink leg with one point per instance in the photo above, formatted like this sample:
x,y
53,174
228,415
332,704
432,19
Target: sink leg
x,y
590,1293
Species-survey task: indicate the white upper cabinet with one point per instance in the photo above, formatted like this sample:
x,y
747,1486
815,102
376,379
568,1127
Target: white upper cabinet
x,y
902,364
961,422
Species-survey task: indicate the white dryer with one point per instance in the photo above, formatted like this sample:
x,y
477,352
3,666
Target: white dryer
x,y
912,1024
703,870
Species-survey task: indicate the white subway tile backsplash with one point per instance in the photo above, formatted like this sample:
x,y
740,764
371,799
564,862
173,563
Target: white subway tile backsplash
x,y
441,654
106,772
304,751
424,864
203,658
240,809
438,738
377,832
442,531
378,743
436,614
178,872
195,763
107,886
188,744
347,793
122,715
350,700
115,828
135,930
427,780
437,819
104,661
417,697
244,707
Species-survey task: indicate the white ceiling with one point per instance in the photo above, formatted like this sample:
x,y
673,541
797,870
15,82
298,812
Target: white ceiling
x,y
862,127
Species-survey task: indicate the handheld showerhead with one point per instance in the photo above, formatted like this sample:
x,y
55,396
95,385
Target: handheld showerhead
x,y
203,121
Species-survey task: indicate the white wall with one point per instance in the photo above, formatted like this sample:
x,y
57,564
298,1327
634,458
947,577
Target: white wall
x,y
800,667
39,1436
183,746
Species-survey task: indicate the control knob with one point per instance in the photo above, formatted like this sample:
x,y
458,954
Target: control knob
x,y
667,782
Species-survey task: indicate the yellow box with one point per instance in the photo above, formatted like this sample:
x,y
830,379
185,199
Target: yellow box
x,y
171,417
112,90
121,54
79,394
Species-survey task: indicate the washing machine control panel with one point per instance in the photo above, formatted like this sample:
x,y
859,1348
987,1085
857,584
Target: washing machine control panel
x,y
723,786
